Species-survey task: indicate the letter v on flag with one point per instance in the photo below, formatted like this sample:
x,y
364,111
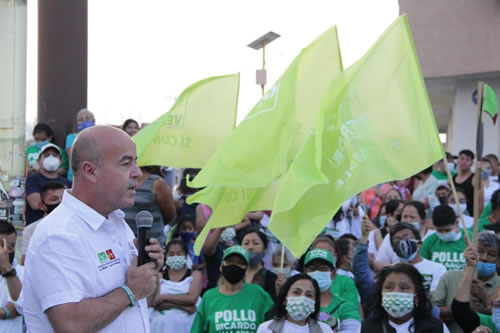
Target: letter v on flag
x,y
375,125
190,132
258,137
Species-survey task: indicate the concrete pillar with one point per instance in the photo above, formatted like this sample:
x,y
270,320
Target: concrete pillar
x,y
62,64
13,27
463,122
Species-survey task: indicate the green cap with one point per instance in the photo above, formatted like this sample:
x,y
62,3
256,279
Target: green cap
x,y
319,254
236,250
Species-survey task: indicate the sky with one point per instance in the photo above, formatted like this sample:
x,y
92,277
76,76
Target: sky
x,y
143,54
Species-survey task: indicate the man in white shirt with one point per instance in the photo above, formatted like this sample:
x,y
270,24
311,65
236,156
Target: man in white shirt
x,y
406,242
81,272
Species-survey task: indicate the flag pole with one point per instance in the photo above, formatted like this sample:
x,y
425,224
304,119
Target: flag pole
x,y
455,197
479,152
282,256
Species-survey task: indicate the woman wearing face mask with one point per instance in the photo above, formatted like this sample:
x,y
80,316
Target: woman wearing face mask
x,y
297,308
235,305
255,242
414,214
186,231
289,264
336,312
401,304
175,306
489,186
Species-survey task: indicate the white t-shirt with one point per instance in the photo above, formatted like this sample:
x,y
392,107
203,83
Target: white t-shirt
x,y
488,191
76,253
425,189
289,327
432,273
405,327
341,271
386,253
372,247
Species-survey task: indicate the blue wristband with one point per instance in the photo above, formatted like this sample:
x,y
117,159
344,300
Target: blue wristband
x,y
129,294
7,312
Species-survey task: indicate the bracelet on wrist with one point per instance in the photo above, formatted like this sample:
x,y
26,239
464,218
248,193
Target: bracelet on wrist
x,y
130,295
7,312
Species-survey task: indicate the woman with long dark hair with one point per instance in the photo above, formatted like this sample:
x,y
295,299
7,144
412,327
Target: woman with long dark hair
x,y
401,303
297,308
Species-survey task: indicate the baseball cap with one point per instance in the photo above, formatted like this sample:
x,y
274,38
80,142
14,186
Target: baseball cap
x,y
236,250
446,186
49,145
319,254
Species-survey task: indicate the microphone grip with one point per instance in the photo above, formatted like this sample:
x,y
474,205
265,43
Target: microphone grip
x,y
144,235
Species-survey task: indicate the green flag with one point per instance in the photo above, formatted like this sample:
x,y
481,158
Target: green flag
x,y
490,102
261,147
375,125
191,131
307,79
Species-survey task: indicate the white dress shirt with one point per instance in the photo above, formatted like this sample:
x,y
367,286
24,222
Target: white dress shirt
x,y
75,254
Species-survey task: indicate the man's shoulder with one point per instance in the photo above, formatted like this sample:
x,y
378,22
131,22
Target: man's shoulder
x,y
432,265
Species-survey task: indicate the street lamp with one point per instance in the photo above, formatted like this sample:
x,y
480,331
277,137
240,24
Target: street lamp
x,y
260,43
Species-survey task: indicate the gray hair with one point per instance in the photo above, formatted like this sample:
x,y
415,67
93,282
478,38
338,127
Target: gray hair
x,y
289,258
486,238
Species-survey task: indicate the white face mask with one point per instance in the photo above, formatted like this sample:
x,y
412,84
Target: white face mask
x,y
463,207
51,163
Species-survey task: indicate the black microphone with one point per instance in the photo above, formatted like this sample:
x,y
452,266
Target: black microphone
x,y
144,221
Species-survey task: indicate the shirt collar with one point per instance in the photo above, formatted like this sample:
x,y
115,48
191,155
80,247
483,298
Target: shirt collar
x,y
493,281
87,213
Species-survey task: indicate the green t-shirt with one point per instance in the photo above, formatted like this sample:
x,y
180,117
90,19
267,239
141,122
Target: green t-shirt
x,y
32,153
450,254
344,287
483,219
442,175
487,320
339,310
238,313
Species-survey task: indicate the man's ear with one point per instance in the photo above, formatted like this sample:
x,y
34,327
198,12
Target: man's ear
x,y
42,206
90,171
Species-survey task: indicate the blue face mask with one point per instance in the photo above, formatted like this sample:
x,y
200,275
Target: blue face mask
x,y
187,236
416,224
496,318
485,268
40,144
324,279
451,166
84,125
381,220
448,237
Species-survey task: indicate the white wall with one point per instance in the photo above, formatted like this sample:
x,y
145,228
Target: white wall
x,y
463,121
13,17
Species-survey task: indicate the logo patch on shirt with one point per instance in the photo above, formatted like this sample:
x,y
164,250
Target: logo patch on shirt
x,y
107,259
110,254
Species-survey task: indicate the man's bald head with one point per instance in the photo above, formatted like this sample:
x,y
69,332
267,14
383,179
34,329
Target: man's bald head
x,y
93,143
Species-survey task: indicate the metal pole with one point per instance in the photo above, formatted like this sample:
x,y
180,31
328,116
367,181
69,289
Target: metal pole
x,y
263,63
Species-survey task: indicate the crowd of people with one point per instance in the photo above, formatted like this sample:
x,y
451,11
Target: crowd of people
x,y
394,258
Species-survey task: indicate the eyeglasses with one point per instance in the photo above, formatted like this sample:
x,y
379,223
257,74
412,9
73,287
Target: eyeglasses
x,y
321,268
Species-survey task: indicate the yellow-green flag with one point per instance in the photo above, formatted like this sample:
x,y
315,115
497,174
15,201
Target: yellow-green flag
x,y
268,139
258,151
375,125
190,132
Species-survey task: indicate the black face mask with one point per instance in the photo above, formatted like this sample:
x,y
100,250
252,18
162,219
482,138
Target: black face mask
x,y
233,274
11,257
50,208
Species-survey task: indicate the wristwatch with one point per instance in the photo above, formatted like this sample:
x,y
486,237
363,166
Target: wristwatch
x,y
10,273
